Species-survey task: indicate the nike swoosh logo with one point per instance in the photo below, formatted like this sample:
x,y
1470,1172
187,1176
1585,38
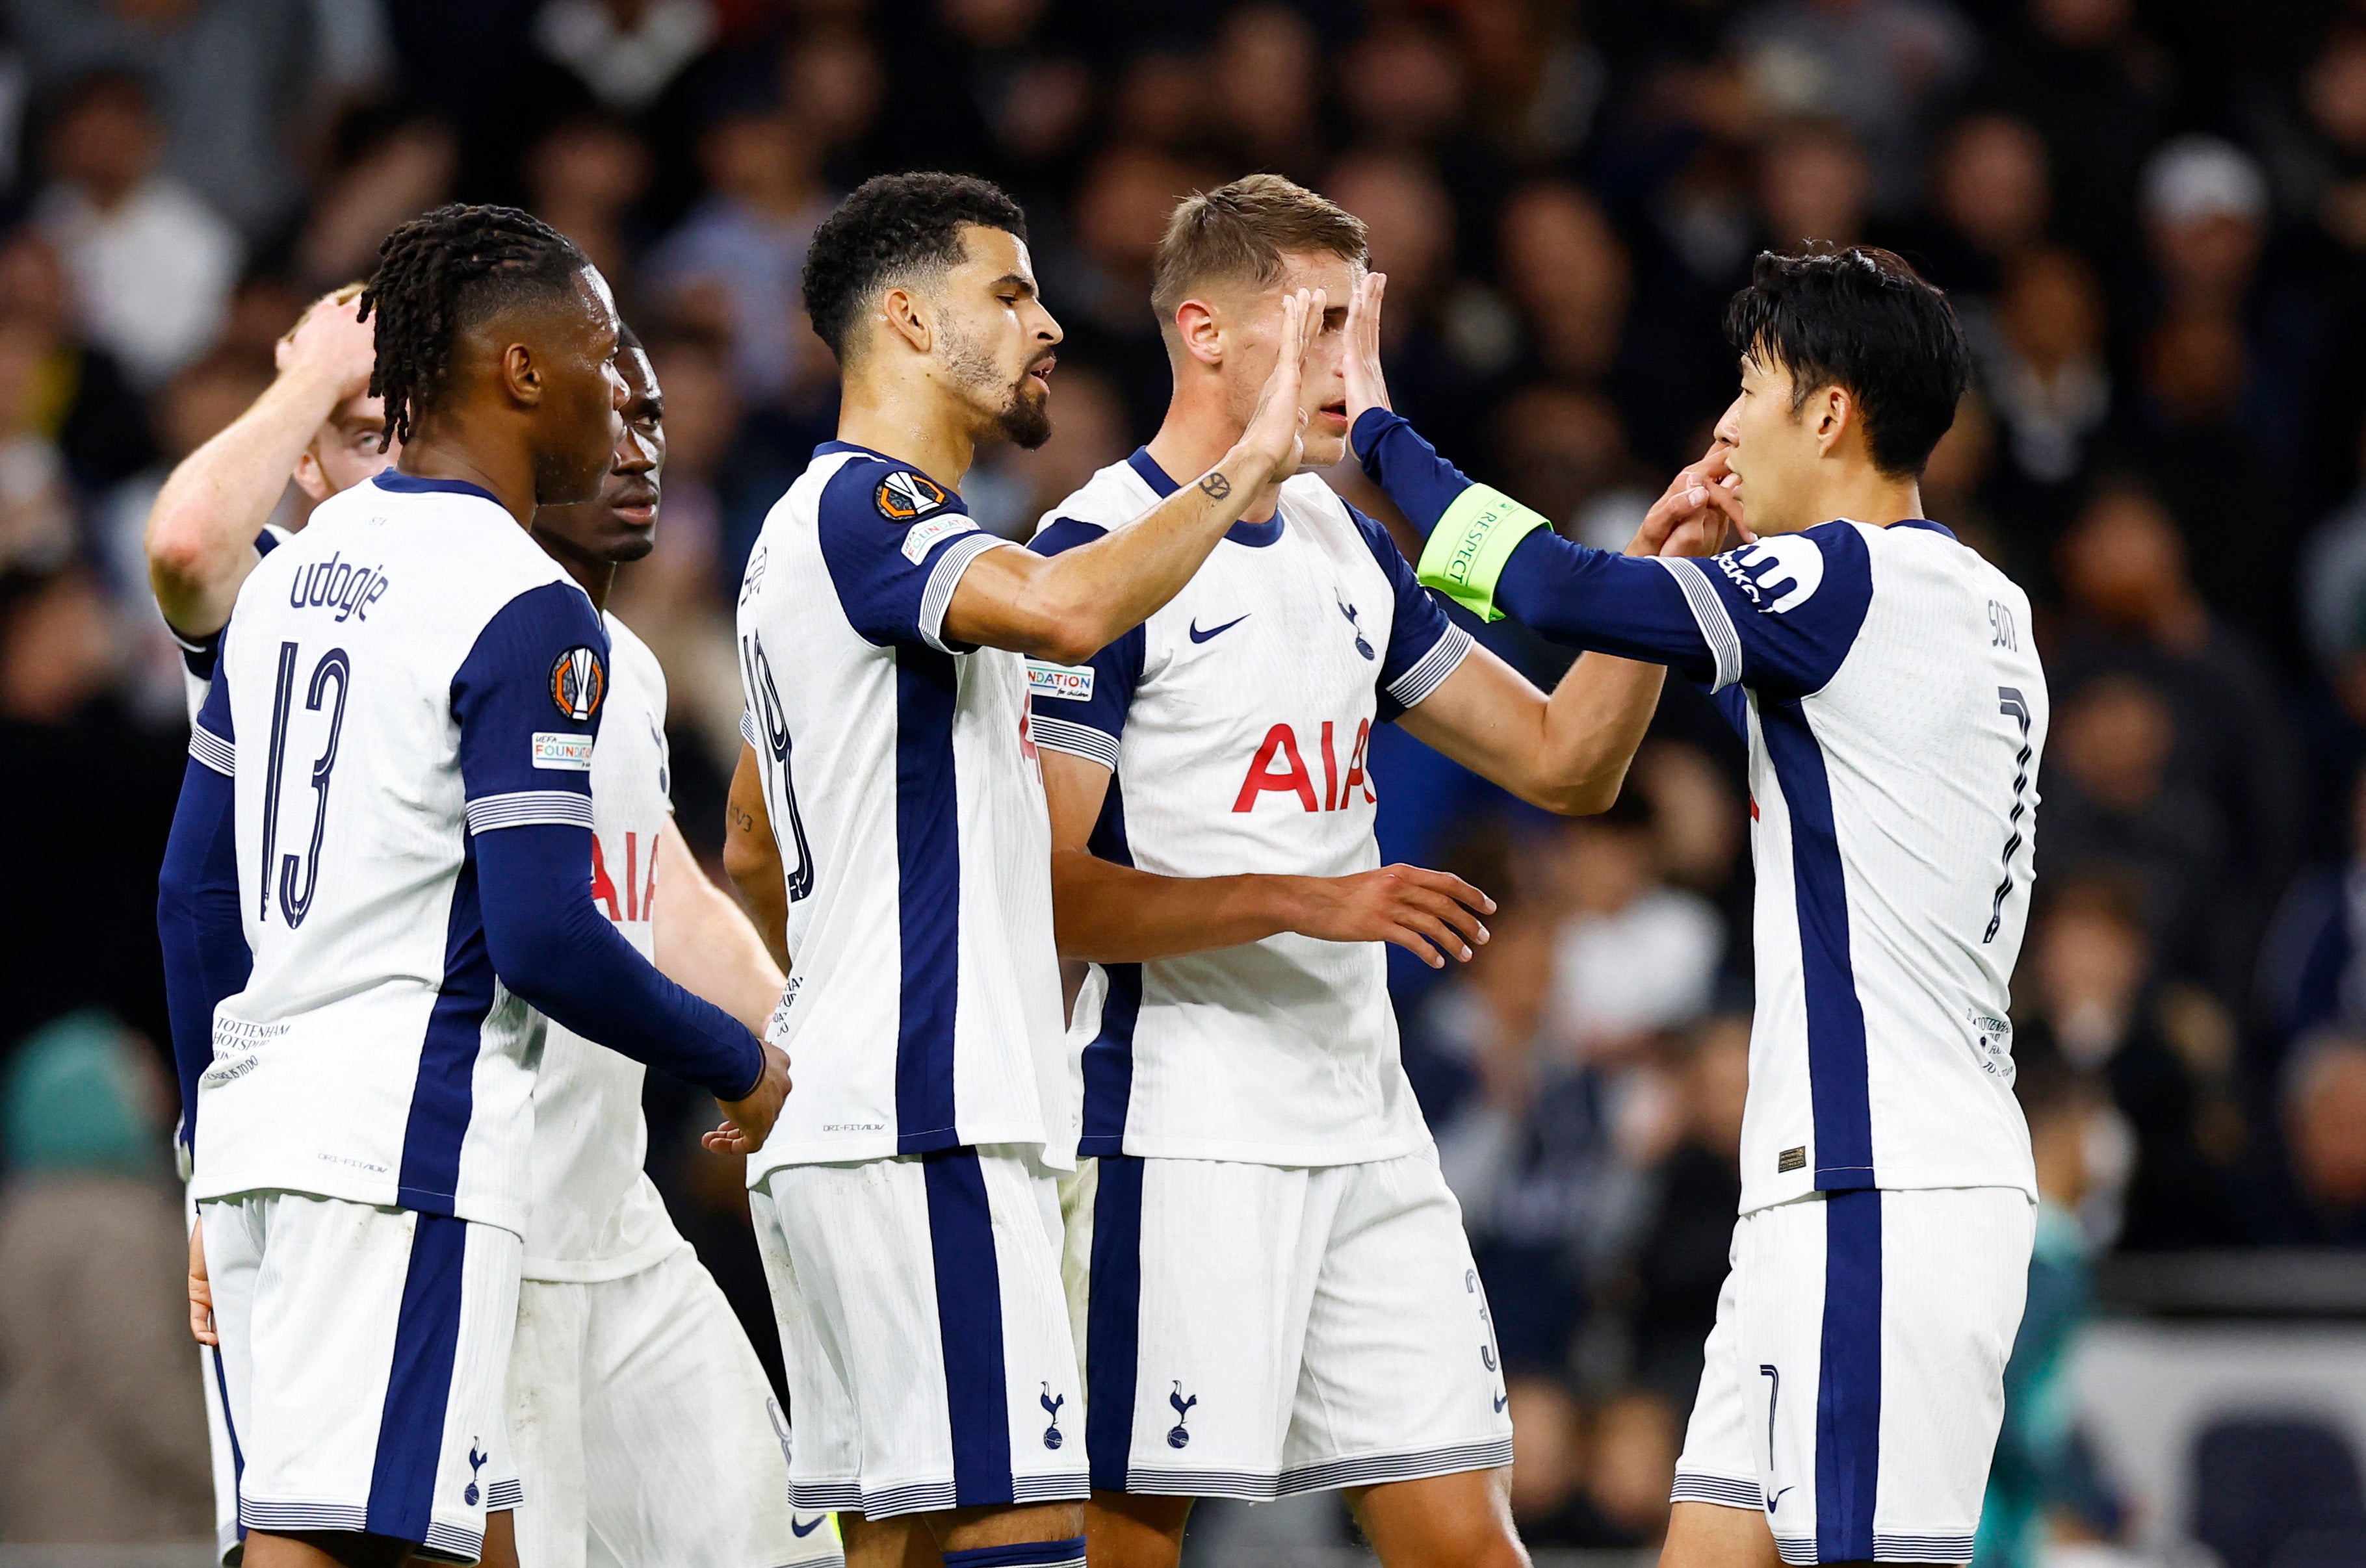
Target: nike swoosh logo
x,y
802,1530
1200,636
1503,1399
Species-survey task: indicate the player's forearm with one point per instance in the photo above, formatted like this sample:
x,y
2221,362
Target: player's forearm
x,y
1108,913
197,925
1069,607
203,524
703,942
752,857
550,944
1596,719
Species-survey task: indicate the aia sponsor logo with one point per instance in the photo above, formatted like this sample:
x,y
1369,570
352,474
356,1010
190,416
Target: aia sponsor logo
x,y
640,886
1279,768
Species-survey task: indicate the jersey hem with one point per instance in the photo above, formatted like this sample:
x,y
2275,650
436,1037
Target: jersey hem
x,y
374,1195
1296,1155
1753,1201
603,1271
861,1151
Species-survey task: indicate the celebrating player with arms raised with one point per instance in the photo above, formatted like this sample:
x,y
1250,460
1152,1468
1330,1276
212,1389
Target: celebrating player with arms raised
x,y
888,812
1895,711
1278,1295
386,808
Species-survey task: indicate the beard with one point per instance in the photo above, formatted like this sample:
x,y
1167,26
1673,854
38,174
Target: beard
x,y
1014,412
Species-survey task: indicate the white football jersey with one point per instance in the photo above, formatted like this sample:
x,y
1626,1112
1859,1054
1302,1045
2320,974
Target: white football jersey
x,y
1896,710
597,1215
410,671
923,1005
1235,723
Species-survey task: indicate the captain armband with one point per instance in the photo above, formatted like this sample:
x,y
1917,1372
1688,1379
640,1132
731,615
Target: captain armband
x,y
1469,546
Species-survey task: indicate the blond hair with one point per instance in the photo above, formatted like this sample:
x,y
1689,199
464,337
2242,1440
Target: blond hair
x,y
1240,232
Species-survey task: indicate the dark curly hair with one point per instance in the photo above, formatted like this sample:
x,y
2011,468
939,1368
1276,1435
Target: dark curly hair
x,y
892,226
442,273
1860,319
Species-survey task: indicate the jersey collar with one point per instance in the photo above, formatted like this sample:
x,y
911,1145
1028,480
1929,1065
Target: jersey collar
x,y
413,485
1940,529
1256,535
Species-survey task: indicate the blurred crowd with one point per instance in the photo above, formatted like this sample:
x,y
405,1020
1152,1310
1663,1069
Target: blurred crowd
x,y
2152,220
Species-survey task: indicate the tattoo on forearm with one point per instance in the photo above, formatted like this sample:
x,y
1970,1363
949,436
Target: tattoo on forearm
x,y
1216,484
742,820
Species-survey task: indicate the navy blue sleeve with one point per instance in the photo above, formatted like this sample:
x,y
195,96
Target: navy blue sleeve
x,y
1425,647
1782,613
1081,709
897,544
527,698
550,944
197,924
1399,461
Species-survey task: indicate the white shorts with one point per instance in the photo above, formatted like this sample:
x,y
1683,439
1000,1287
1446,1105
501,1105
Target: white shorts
x,y
924,1332
1855,1381
362,1354
644,1432
1253,1331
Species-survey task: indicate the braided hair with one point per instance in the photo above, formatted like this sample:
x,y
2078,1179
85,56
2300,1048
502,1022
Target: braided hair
x,y
442,273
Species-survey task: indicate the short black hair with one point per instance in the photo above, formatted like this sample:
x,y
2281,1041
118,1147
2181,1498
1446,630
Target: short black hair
x,y
892,225
1863,319
442,273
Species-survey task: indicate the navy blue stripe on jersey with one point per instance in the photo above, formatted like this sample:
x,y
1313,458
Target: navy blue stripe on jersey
x,y
444,1097
969,1325
1113,1321
927,899
1791,603
1256,535
510,689
1836,1054
1848,1380
1108,1058
419,1384
404,484
1117,674
1423,645
894,543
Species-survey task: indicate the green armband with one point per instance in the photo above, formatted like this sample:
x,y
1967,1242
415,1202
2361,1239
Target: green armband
x,y
1468,549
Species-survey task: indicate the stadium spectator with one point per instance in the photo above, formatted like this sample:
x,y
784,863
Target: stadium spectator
x,y
1681,1251
2042,361
105,1439
2323,1105
1632,955
1991,196
1815,186
584,178
1549,1500
152,264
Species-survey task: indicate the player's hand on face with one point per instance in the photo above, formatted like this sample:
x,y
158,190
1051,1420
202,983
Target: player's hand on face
x,y
1693,515
1432,914
201,1290
330,340
1276,435
748,1122
1367,386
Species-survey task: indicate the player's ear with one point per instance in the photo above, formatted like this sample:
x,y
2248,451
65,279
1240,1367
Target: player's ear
x,y
1201,336
1835,411
909,317
521,376
309,476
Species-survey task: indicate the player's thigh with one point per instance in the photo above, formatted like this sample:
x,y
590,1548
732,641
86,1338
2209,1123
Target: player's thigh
x,y
365,1351
1400,1378
940,1344
684,1438
1462,1519
1122,1530
1197,1276
546,1420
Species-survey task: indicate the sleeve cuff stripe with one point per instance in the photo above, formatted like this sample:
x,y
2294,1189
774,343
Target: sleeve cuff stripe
x,y
747,726
530,808
1709,613
1429,672
1077,740
946,576
214,752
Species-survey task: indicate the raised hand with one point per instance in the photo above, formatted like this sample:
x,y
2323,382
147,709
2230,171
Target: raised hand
x,y
748,1122
1367,387
1692,515
328,340
1432,914
1276,427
